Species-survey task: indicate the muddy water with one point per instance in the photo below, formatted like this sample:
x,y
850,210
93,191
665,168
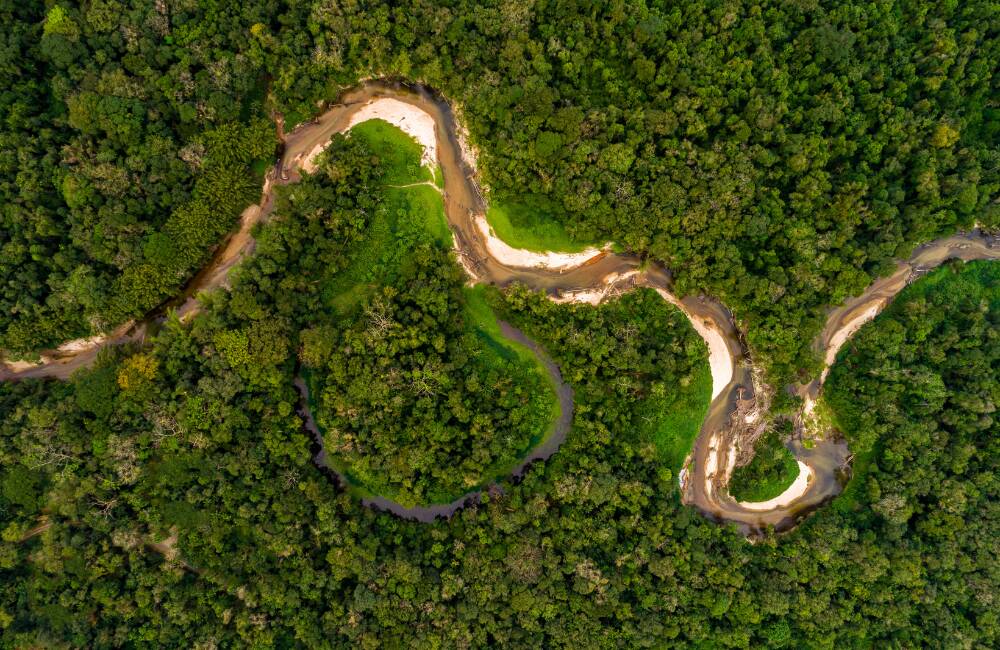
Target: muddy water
x,y
542,451
603,276
843,321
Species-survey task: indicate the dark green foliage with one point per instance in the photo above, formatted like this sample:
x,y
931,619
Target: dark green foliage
x,y
591,542
927,373
124,158
220,193
420,403
592,549
637,357
777,155
770,472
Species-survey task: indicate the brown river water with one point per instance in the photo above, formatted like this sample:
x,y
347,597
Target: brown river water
x,y
713,458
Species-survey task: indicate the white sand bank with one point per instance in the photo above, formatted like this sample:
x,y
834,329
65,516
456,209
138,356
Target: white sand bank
x,y
79,345
525,259
719,358
413,121
794,491
848,330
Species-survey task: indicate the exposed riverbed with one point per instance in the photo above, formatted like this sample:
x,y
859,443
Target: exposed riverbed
x,y
591,277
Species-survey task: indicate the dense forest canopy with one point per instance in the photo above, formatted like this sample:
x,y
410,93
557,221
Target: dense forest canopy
x,y
167,496
417,394
777,155
127,138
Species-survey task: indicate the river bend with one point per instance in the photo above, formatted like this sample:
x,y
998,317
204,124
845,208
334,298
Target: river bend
x,y
738,410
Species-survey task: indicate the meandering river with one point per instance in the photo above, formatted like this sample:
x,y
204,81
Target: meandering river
x,y
735,408
427,513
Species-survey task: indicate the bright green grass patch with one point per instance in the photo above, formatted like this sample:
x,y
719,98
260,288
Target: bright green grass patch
x,y
528,223
673,421
398,153
407,217
480,316
771,471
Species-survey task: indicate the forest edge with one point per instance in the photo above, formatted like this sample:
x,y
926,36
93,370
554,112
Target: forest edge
x,y
738,411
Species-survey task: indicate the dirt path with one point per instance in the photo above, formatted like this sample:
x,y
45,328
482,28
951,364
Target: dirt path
x,y
585,277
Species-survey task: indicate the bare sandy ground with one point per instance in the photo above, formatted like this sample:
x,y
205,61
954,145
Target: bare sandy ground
x,y
610,286
470,154
410,119
586,296
720,358
521,258
789,496
22,366
77,345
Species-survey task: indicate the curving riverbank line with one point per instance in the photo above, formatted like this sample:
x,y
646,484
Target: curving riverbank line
x,y
824,461
428,513
739,404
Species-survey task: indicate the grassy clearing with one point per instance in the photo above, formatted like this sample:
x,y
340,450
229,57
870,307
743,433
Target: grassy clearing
x,y
407,218
674,420
398,153
771,471
528,223
481,319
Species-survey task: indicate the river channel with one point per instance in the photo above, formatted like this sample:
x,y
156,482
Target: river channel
x,y
739,403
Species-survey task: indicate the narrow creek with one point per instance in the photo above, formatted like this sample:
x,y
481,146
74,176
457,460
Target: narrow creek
x,y
549,444
593,277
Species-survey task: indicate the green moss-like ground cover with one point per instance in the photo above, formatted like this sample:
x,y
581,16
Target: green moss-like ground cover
x,y
528,223
405,241
771,471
